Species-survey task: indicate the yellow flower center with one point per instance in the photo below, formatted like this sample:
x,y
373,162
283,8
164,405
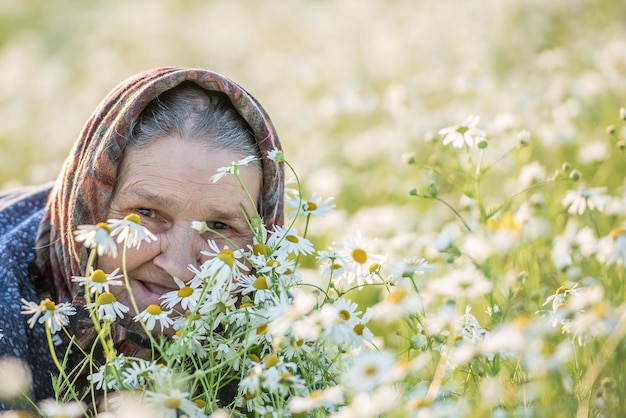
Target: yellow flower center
x,y
359,255
370,370
260,283
358,329
310,206
335,266
106,298
254,358
227,256
272,263
271,360
343,314
259,249
617,232
184,292
171,403
199,403
561,289
374,268
261,329
153,309
47,305
98,276
292,238
246,305
105,226
396,296
134,218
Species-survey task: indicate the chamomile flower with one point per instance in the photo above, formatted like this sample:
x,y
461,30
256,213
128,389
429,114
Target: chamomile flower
x,y
107,307
98,281
187,295
287,239
259,286
612,248
320,398
577,201
168,403
276,155
97,236
362,265
131,231
223,265
368,371
465,133
332,264
135,374
52,408
314,206
55,316
233,168
559,297
153,314
408,268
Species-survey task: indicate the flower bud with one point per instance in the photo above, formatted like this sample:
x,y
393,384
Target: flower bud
x,y
482,143
408,158
523,137
574,175
610,129
622,113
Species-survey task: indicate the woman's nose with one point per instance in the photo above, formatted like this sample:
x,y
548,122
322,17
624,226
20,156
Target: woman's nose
x,y
180,246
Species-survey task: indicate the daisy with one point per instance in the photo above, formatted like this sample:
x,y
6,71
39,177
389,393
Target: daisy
x,y
276,263
131,231
97,236
408,268
98,281
464,133
276,155
223,264
285,238
170,402
315,206
107,307
325,398
368,371
362,266
259,285
612,248
134,375
331,263
577,201
153,314
465,282
559,297
233,168
187,295
55,316
52,408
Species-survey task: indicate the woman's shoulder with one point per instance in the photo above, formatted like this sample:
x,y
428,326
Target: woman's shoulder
x,y
19,204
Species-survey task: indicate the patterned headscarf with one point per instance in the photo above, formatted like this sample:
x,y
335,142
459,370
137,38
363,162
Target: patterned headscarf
x,y
83,191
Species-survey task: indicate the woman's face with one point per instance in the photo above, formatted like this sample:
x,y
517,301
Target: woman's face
x,y
168,185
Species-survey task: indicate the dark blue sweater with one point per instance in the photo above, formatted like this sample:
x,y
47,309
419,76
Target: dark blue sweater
x,y
21,211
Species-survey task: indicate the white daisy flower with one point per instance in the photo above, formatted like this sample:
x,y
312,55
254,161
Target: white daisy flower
x,y
187,295
153,314
560,296
134,375
276,155
97,236
285,238
259,285
408,268
612,248
223,264
233,168
577,201
98,281
314,206
368,371
55,316
131,231
52,408
464,133
323,398
362,266
107,307
168,403
332,264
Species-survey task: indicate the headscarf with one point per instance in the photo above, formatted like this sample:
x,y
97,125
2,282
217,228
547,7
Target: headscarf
x,y
83,191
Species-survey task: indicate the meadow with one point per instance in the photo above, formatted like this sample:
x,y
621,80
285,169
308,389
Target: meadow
x,y
475,152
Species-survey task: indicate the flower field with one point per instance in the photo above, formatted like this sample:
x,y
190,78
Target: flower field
x,y
471,261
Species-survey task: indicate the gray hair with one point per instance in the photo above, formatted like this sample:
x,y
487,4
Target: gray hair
x,y
194,114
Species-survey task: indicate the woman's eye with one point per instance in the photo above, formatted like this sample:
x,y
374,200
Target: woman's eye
x,y
217,225
148,213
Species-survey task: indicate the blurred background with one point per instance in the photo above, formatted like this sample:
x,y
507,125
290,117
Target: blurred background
x,y
351,85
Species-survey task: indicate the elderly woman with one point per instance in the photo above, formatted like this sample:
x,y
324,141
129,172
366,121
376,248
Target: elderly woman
x,y
149,149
